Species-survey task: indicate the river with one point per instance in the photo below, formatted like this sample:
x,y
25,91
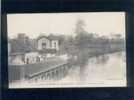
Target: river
x,y
107,70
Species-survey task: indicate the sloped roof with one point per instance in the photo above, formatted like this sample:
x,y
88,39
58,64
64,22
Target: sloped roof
x,y
53,37
50,37
42,36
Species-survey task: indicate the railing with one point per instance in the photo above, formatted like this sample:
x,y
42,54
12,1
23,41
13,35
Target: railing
x,y
55,73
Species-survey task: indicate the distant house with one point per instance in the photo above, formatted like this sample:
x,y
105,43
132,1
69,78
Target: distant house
x,y
34,57
47,43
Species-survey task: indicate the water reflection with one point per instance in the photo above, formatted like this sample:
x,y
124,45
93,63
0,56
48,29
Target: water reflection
x,y
100,59
106,69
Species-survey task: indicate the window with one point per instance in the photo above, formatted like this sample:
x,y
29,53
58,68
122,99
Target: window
x,y
44,45
55,44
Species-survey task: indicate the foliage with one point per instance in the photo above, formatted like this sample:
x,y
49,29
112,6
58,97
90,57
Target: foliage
x,y
21,45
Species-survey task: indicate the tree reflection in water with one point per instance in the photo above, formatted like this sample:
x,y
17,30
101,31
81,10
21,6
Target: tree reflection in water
x,y
97,65
102,59
84,59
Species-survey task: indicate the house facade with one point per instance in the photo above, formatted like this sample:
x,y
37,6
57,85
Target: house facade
x,y
47,43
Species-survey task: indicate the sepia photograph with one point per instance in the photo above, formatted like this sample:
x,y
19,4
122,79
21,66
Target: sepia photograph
x,y
63,50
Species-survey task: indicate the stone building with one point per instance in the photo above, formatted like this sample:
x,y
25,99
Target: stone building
x,y
47,43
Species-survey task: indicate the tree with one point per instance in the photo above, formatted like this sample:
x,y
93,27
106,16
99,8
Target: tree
x,y
21,44
80,27
81,41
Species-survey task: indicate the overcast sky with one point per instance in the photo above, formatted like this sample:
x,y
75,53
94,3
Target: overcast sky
x,y
102,23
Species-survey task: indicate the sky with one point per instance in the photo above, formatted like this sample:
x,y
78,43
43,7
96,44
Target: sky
x,y
35,24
